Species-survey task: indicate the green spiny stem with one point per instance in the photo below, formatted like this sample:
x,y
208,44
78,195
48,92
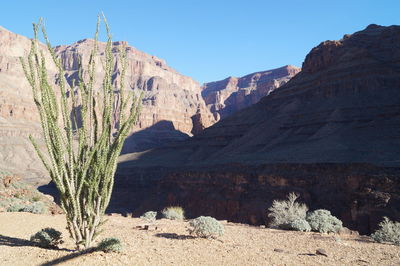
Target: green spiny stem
x,y
82,151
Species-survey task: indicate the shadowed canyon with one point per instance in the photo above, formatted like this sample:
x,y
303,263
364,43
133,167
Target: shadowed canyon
x,y
330,134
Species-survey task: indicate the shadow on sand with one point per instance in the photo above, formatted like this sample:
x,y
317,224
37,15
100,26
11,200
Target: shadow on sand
x,y
174,236
18,242
15,242
69,257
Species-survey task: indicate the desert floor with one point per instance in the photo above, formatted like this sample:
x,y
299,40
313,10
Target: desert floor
x,y
170,244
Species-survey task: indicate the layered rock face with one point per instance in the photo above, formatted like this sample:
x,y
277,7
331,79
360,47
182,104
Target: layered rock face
x,y
18,116
232,94
171,103
172,107
331,134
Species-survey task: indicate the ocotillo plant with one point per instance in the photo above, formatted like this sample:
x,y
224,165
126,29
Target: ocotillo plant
x,y
81,160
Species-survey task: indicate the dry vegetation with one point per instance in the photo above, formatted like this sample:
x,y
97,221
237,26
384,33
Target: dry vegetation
x,y
16,195
171,244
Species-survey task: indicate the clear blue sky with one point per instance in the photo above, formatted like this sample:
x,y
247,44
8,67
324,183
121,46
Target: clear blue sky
x,y
207,40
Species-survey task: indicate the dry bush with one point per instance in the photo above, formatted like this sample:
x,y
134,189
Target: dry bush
x,y
389,231
283,212
324,222
174,213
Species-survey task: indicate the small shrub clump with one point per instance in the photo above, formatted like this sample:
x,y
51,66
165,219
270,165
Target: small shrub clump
x,y
149,216
16,207
389,231
206,227
300,225
283,212
174,213
37,208
110,245
47,238
324,222
36,198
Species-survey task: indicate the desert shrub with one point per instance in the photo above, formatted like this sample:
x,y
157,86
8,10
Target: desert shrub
x,y
283,212
207,227
300,225
16,207
19,195
174,213
36,198
323,221
149,216
47,238
110,245
37,208
389,231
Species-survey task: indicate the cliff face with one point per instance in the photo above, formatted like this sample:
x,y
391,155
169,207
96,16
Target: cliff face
x,y
342,111
172,107
232,94
171,104
18,116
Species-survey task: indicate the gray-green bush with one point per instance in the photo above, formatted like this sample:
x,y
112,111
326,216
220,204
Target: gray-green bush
x,y
174,213
300,225
389,231
206,227
19,206
37,208
111,244
283,212
16,207
323,221
149,216
47,238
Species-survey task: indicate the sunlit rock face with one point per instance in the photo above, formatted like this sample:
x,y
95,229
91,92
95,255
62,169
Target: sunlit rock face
x,y
225,97
173,108
18,115
171,101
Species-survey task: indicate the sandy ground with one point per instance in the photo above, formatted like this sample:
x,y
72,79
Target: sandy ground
x,y
171,244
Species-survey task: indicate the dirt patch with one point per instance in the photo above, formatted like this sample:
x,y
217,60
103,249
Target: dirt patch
x,y
168,243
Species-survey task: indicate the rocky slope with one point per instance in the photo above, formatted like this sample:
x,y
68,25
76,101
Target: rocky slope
x,y
232,94
331,134
172,109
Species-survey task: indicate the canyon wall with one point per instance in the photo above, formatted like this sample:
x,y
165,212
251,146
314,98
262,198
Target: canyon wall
x,y
331,133
18,115
172,107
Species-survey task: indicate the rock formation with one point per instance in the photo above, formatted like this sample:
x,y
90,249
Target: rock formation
x,y
171,101
18,116
232,94
172,109
331,134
